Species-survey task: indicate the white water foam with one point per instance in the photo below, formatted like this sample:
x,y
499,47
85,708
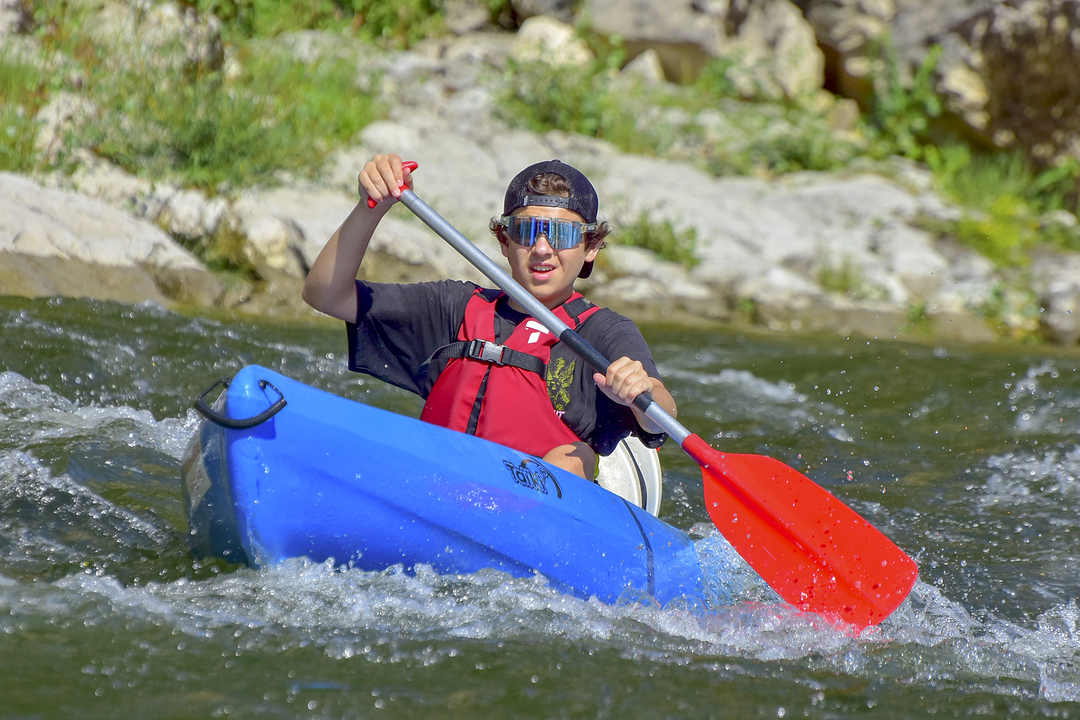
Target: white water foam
x,y
1042,408
31,413
1029,478
740,395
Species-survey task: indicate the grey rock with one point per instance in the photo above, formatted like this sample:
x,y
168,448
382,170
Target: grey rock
x,y
545,39
811,252
1006,69
559,9
56,242
190,215
1057,282
15,18
65,112
465,16
646,67
165,33
287,227
774,47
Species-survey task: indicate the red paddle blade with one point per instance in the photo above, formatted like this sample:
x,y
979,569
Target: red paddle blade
x,y
814,550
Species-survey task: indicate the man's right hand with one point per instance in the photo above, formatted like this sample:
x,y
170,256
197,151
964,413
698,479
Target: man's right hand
x,y
382,179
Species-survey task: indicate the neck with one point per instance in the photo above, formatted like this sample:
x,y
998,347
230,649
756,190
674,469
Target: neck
x,y
550,303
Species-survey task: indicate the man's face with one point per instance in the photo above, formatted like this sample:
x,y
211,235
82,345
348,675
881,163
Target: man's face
x,y
547,274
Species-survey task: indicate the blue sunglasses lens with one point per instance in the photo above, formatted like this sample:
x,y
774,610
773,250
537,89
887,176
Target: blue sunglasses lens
x,y
560,234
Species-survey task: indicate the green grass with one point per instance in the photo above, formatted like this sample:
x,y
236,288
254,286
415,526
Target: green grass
x,y
397,23
158,115
902,116
1003,194
247,19
208,130
753,137
773,139
541,97
23,92
1004,198
844,278
660,238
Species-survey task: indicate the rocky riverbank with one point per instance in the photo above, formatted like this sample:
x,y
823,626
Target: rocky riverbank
x,y
849,252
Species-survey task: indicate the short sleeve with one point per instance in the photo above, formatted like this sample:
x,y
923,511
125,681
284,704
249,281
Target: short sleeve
x,y
399,326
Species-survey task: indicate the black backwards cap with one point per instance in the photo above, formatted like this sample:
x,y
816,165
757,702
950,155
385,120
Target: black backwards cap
x,y
582,200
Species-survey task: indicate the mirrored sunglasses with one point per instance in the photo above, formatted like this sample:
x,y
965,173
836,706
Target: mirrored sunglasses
x,y
560,234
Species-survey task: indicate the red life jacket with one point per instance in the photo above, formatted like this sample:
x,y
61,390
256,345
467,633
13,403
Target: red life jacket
x,y
499,392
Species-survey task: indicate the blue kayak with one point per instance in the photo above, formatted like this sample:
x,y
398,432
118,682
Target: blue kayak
x,y
279,470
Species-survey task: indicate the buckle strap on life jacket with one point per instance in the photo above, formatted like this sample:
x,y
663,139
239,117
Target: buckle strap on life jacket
x,y
489,352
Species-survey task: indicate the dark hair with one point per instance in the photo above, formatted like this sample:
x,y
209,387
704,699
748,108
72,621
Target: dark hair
x,y
557,186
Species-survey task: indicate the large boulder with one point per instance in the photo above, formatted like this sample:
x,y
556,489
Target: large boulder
x,y
1057,283
773,47
55,242
559,9
165,33
545,39
1009,69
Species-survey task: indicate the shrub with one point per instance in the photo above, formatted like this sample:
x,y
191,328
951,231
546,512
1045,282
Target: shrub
x,y
662,239
542,97
24,89
773,137
1004,197
1001,191
401,23
277,115
245,19
901,117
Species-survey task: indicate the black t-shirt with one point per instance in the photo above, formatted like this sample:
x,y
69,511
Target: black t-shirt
x,y
399,327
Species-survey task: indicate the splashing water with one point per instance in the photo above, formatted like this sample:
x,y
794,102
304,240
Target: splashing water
x,y
968,459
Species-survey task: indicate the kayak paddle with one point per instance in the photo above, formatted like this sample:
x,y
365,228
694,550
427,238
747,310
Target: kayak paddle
x,y
813,550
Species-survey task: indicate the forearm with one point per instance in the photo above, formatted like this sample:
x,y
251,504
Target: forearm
x,y
330,285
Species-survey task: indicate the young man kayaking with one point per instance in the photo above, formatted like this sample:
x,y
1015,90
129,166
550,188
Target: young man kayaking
x,y
483,365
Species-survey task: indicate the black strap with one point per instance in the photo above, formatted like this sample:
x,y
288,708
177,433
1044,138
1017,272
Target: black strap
x,y
488,352
575,308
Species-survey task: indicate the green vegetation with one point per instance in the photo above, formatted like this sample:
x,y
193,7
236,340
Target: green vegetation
x,y
264,115
662,239
744,137
24,90
247,19
1005,199
842,278
541,97
401,23
158,114
275,115
709,123
1014,310
1004,196
901,116
918,322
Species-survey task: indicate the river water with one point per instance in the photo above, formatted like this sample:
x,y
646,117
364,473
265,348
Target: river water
x,y
967,457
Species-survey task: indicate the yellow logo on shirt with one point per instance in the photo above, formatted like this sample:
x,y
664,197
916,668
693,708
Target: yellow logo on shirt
x,y
560,374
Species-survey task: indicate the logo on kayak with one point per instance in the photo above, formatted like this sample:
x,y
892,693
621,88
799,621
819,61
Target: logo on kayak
x,y
532,474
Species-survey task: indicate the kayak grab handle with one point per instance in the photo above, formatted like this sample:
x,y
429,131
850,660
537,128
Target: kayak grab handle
x,y
238,423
